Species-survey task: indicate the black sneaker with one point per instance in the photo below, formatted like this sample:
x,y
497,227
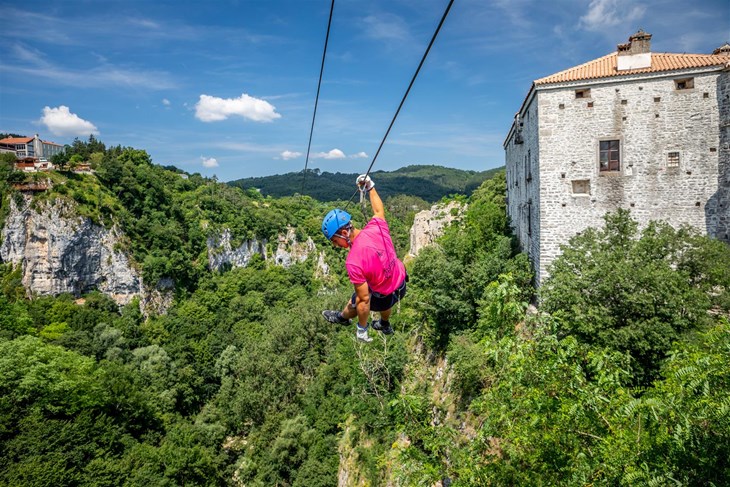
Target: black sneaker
x,y
335,317
383,327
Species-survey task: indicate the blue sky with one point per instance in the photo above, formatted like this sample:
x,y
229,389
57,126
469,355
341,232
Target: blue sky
x,y
227,88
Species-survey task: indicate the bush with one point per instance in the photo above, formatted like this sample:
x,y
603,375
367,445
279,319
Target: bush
x,y
636,292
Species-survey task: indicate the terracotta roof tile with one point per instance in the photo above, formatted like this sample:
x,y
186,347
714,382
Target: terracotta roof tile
x,y
16,140
605,67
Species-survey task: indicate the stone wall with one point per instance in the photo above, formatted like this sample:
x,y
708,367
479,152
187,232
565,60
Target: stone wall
x,y
718,207
523,182
650,118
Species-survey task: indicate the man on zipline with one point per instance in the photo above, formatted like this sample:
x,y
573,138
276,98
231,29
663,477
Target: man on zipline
x,y
374,269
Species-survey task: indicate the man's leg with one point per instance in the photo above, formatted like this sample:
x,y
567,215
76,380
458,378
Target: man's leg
x,y
383,325
341,317
385,315
350,311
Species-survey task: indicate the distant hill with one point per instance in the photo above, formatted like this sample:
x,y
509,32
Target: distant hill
x,y
428,182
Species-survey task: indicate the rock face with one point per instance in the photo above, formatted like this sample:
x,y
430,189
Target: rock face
x,y
288,251
428,225
61,252
158,299
221,254
64,253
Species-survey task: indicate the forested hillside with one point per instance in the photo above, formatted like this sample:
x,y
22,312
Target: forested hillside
x,y
619,377
430,183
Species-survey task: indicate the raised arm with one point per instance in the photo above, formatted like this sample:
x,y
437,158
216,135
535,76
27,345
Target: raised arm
x,y
365,184
377,204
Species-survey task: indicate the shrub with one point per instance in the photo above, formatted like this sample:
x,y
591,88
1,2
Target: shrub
x,y
635,292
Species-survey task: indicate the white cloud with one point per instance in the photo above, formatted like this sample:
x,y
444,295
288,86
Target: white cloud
x,y
605,13
333,154
60,121
386,27
166,102
213,109
209,161
287,154
359,155
35,65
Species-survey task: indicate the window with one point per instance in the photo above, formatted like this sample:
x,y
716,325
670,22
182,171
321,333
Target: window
x,y
684,84
609,155
529,217
585,93
581,186
525,172
673,159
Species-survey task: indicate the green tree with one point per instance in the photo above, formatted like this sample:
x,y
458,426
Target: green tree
x,y
636,292
449,281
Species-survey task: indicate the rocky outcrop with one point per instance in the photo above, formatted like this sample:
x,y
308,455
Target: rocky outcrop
x,y
428,225
158,299
288,251
61,252
221,254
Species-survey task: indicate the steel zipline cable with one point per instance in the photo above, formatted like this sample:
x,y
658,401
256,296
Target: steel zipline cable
x,y
316,99
415,75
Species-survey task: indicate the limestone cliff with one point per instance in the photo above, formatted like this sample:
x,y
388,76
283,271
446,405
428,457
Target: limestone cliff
x,y
61,252
222,254
428,225
289,250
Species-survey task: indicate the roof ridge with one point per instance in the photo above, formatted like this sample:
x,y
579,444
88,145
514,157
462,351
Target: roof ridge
x,y
576,67
605,66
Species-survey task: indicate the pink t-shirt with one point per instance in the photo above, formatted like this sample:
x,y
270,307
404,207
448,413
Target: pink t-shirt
x,y
372,259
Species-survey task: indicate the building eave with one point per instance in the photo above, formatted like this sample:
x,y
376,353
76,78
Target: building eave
x,y
525,103
629,78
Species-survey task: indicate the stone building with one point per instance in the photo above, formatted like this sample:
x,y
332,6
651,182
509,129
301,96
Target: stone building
x,y
649,132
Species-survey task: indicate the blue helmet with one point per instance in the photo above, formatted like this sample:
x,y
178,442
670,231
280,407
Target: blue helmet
x,y
333,221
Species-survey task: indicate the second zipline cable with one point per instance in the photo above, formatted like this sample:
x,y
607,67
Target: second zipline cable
x,y
415,75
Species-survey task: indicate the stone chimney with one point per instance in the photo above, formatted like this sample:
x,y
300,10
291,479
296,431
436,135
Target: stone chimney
x,y
723,50
636,53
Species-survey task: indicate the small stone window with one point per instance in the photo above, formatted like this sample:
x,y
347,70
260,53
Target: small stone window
x,y
581,186
673,159
609,155
584,93
684,84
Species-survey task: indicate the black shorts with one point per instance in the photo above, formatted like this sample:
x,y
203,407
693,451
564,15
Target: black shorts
x,y
383,302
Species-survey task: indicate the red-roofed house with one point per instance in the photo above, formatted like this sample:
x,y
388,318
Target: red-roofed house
x,y
30,147
634,129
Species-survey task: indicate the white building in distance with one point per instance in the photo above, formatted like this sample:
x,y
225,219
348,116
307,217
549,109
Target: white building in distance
x,y
649,132
34,147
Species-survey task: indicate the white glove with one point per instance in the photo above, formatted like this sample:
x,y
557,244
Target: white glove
x,y
364,183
